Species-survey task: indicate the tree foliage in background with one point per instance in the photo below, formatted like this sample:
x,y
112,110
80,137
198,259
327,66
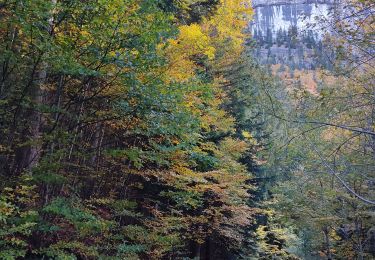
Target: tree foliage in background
x,y
323,152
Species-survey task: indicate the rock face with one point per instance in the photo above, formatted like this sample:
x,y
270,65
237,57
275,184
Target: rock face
x,y
284,33
282,15
257,3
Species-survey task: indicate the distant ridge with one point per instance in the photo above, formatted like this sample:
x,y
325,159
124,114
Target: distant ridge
x,y
257,3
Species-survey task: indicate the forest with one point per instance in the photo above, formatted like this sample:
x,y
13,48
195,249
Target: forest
x,y
148,129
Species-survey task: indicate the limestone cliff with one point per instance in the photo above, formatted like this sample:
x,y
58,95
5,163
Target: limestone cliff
x,y
283,31
257,3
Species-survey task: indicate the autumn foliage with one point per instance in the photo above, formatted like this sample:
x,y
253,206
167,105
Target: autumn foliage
x,y
114,140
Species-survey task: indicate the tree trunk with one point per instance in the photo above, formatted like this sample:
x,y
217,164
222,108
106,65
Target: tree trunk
x,y
197,251
28,157
359,240
36,117
328,243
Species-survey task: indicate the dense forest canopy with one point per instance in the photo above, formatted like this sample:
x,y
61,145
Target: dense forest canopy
x,y
149,129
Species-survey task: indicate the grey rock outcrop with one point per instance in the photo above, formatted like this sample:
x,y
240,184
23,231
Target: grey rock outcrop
x,y
257,3
285,31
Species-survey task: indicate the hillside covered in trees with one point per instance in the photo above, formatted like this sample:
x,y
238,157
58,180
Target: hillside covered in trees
x,y
148,129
